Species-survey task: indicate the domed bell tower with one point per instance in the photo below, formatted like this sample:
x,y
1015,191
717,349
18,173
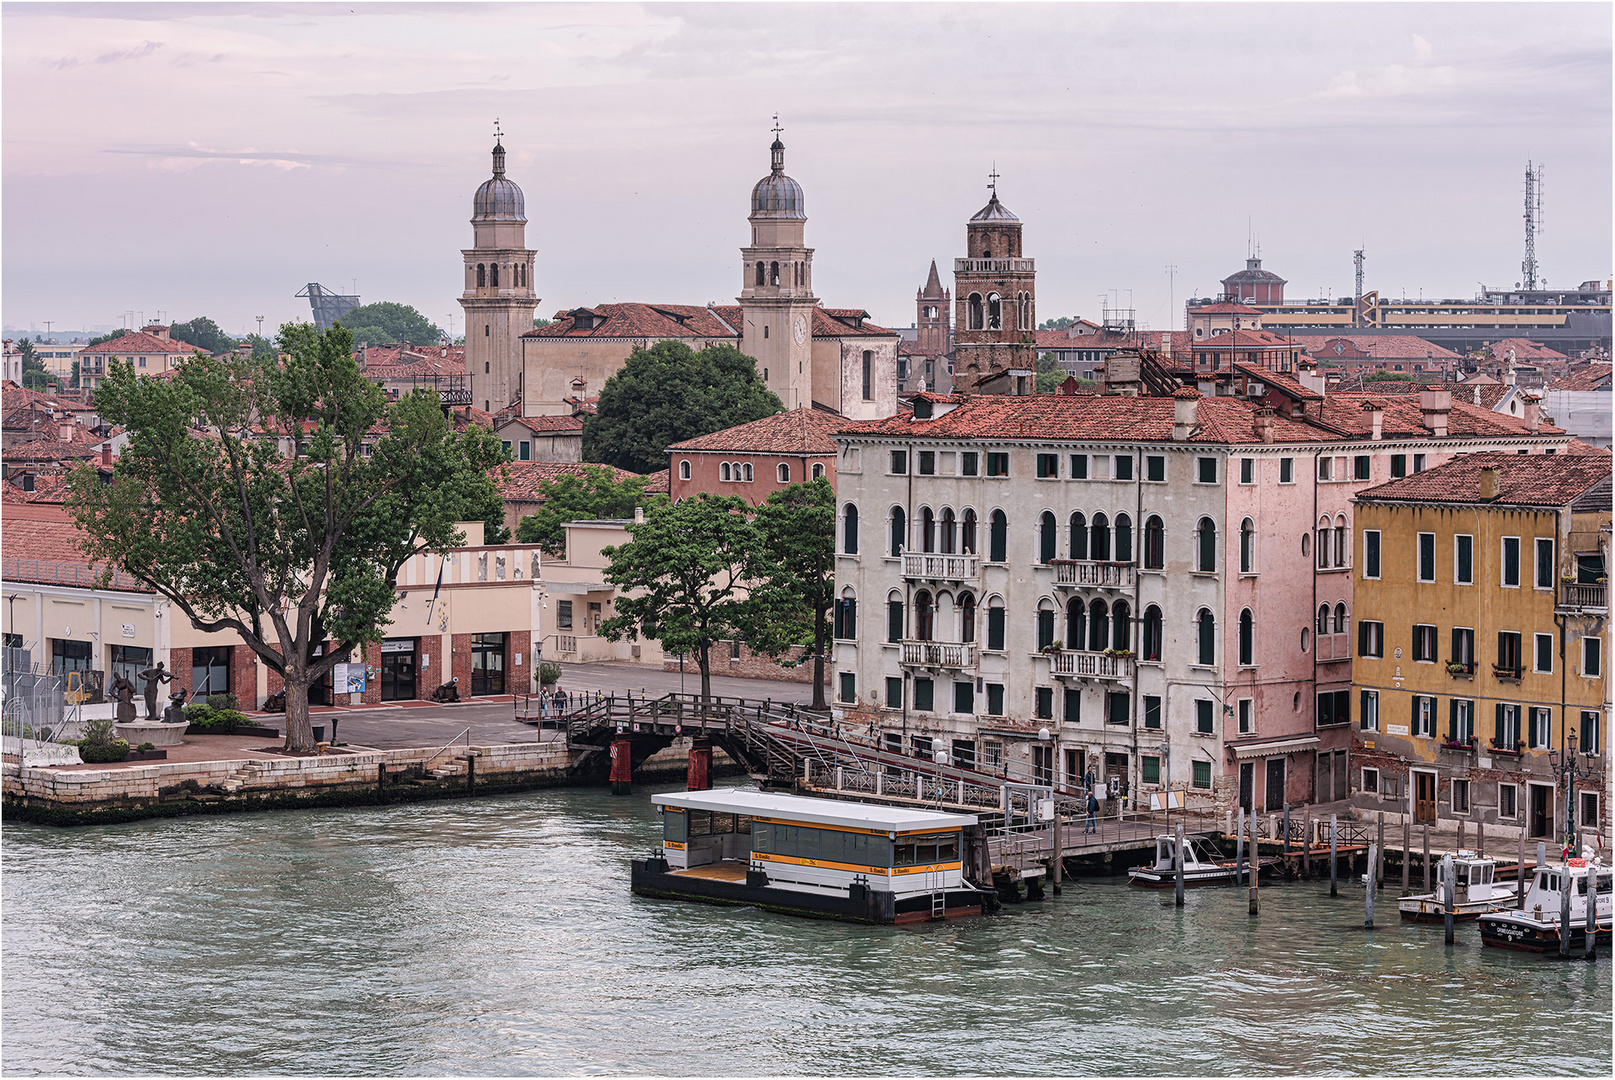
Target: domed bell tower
x,y
995,289
498,298
776,290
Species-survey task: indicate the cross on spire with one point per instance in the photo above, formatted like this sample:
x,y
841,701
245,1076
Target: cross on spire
x,y
497,134
777,128
992,180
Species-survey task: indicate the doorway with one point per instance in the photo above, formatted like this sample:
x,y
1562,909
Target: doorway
x,y
1247,786
487,664
1275,783
1043,764
1424,797
1075,766
398,670
1541,811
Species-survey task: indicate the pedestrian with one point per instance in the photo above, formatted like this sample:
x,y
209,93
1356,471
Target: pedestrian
x,y
1093,812
1087,778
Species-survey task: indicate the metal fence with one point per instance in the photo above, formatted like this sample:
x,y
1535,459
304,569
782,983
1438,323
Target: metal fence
x,y
65,573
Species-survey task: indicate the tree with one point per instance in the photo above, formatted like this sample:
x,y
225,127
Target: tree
x,y
1387,376
204,333
541,322
107,337
385,322
682,578
1064,322
262,347
291,554
667,393
595,494
794,576
1049,373
34,375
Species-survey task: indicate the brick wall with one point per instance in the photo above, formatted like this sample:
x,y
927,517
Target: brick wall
x,y
460,663
429,675
244,676
372,686
179,663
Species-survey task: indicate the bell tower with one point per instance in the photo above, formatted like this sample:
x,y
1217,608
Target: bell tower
x,y
995,290
498,297
776,285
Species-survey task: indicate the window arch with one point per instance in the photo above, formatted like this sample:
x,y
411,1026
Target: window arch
x,y
927,530
1206,546
924,616
1340,618
1206,637
482,275
1048,538
1306,548
1121,626
949,531
493,275
995,311
1247,546
1342,541
1323,618
765,331
849,530
1323,543
747,467
1045,623
1152,634
1154,544
998,538
895,616
773,273
1247,638
1098,626
899,535
1303,639
760,279
1076,623
724,472
1079,535
1026,311
846,616
967,617
784,472
684,470
1124,538
967,532
818,471
973,319
1099,538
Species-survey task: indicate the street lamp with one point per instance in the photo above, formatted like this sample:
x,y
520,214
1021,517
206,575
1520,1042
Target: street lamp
x,y
1572,768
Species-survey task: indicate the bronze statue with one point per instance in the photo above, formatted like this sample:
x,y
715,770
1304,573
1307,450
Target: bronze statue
x,y
123,692
153,677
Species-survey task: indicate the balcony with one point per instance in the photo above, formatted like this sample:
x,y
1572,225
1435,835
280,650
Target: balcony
x,y
1085,574
938,654
930,567
1333,647
1081,664
1578,599
1507,674
994,266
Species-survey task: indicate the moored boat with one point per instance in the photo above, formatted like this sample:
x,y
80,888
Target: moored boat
x,y
1535,927
1199,866
1475,892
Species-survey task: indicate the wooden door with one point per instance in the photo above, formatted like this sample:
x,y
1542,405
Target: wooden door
x,y
1424,797
1247,786
1541,822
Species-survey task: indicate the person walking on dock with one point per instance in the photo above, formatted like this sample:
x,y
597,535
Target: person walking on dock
x,y
1093,813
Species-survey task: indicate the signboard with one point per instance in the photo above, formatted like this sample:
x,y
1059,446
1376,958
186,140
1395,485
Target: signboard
x,y
1396,729
128,629
348,679
1166,800
396,645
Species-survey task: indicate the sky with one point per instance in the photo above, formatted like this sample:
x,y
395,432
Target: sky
x,y
211,159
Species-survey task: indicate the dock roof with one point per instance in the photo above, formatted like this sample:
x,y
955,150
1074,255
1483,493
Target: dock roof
x,y
853,815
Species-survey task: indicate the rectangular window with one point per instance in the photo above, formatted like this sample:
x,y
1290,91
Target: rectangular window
x,y
899,462
1368,713
997,464
1360,467
1116,708
1508,653
1461,720
1371,553
1079,466
1286,470
1542,652
927,462
1506,734
1592,657
967,463
964,697
1590,743
1155,468
1149,770
1044,701
1205,470
1463,647
1423,723
894,693
1204,717
1124,467
1427,556
995,628
924,694
1511,562
1544,563
1326,468
1460,796
1508,800
1247,470
1247,720
992,755
995,699
1399,465
1202,774
1072,703
210,671
1541,729
1424,643
563,614
1152,712
1371,780
1418,463
1048,466
1589,812
526,450
1370,638
1463,560
849,686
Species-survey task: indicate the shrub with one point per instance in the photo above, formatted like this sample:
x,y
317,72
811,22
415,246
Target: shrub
x,y
198,713
143,747
208,718
224,702
549,674
101,731
103,753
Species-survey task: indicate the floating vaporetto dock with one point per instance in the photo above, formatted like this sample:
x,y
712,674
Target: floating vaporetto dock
x,y
817,857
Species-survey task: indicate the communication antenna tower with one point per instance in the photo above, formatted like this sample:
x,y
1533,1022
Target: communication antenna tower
x,y
1533,222
1357,306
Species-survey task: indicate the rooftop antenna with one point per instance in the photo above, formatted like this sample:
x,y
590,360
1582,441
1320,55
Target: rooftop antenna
x,y
1357,261
1171,303
1533,222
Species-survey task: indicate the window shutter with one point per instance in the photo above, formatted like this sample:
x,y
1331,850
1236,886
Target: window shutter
x,y
894,620
1413,722
1498,736
1362,638
995,628
1452,721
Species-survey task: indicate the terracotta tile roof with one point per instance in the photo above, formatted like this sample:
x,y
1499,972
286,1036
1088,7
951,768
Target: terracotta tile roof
x,y
44,451
1390,347
50,488
798,431
1245,339
524,477
547,425
140,343
1065,339
659,482
639,321
1589,378
1525,351
1576,446
1522,479
827,322
1404,418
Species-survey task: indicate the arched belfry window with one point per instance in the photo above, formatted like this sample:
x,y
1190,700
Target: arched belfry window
x,y
995,312
773,273
482,275
973,311
760,272
493,275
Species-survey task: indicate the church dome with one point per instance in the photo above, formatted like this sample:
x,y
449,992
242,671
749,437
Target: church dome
x,y
777,195
498,199
994,211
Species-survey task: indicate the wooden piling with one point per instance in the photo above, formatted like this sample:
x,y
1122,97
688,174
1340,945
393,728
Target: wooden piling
x,y
381,781
1407,850
1334,855
1592,914
1256,871
471,774
1480,839
1057,871
1177,866
1564,915
1239,850
1449,908
1306,844
1368,893
1286,847
1519,875
1379,846
1426,856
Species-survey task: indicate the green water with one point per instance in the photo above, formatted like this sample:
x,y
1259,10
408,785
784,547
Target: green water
x,y
498,937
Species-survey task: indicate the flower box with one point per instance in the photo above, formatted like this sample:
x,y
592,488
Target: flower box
x,y
1513,751
1450,745
1506,674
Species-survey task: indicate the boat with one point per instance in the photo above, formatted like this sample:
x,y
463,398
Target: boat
x,y
1199,867
1475,892
1535,927
821,858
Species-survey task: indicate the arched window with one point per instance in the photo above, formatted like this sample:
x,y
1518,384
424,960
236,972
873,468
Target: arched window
x,y
1305,541
849,531
967,617
1206,546
846,616
773,273
998,541
1247,546
1026,311
521,275
1121,626
1206,637
493,275
760,279
784,471
1099,538
927,530
724,472
1303,639
1124,538
1323,618
1048,538
1079,535
967,533
924,616
1098,626
1247,638
995,312
1340,618
482,275
899,530
1045,623
973,312
1152,633
1341,543
1076,623
1323,543
949,530
748,472
765,335
818,471
684,470
894,616
1154,544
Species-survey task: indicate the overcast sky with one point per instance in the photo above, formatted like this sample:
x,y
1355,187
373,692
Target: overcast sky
x,y
201,159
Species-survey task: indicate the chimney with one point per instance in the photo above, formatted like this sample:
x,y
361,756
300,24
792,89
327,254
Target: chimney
x,y
64,432
1264,424
1533,415
1185,413
1475,394
1435,403
1488,483
1376,417
106,455
639,515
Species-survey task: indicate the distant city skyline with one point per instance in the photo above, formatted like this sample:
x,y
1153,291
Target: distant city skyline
x,y
212,159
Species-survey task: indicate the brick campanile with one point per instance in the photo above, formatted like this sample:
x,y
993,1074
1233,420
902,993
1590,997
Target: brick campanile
x,y
995,289
498,298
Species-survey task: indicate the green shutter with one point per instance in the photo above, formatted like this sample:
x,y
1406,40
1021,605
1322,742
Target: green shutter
x,y
995,628
1073,705
998,539
1497,739
924,690
894,620
1452,720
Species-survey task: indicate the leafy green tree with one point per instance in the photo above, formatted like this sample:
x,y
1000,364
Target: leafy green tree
x,y
668,393
108,337
794,575
541,322
591,496
1064,322
1387,376
385,322
682,578
262,348
287,553
34,375
204,333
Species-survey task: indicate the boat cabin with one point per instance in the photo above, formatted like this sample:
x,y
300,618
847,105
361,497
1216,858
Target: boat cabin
x,y
1472,879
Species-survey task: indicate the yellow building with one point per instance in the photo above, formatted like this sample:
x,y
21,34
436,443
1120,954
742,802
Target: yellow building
x,y
1481,599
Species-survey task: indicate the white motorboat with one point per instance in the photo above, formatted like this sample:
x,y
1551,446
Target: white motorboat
x,y
1476,891
1535,927
1200,867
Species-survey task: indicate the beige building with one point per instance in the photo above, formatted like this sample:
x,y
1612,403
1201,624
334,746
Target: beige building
x,y
151,350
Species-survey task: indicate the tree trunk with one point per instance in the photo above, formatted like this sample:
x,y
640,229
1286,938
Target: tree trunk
x,y
818,678
299,728
703,660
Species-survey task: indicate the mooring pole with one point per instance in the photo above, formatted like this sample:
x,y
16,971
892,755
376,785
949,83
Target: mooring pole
x,y
1519,875
1059,852
1239,850
1407,851
1334,854
1306,843
1451,893
1368,893
1480,839
1426,856
1564,913
1286,828
1177,866
1256,870
1379,845
1592,913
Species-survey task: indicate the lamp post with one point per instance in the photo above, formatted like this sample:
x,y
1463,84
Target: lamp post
x,y
1572,769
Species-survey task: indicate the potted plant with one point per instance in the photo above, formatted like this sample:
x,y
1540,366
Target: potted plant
x,y
1051,648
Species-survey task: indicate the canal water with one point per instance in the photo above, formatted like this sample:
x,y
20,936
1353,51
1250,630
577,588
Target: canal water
x,y
497,936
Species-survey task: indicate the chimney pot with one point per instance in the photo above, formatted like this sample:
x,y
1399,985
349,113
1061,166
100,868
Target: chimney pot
x,y
1488,483
639,515
1533,415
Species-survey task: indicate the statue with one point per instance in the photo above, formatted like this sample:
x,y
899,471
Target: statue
x,y
154,676
123,692
175,713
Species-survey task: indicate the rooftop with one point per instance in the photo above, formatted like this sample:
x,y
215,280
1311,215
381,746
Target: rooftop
x,y
1522,480
797,431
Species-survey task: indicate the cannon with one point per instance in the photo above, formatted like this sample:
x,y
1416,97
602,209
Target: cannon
x,y
448,693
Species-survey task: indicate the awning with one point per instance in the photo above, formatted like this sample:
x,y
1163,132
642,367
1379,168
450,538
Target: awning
x,y
573,588
1274,747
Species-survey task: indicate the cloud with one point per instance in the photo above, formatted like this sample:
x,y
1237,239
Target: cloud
x,y
183,158
1422,48
144,49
